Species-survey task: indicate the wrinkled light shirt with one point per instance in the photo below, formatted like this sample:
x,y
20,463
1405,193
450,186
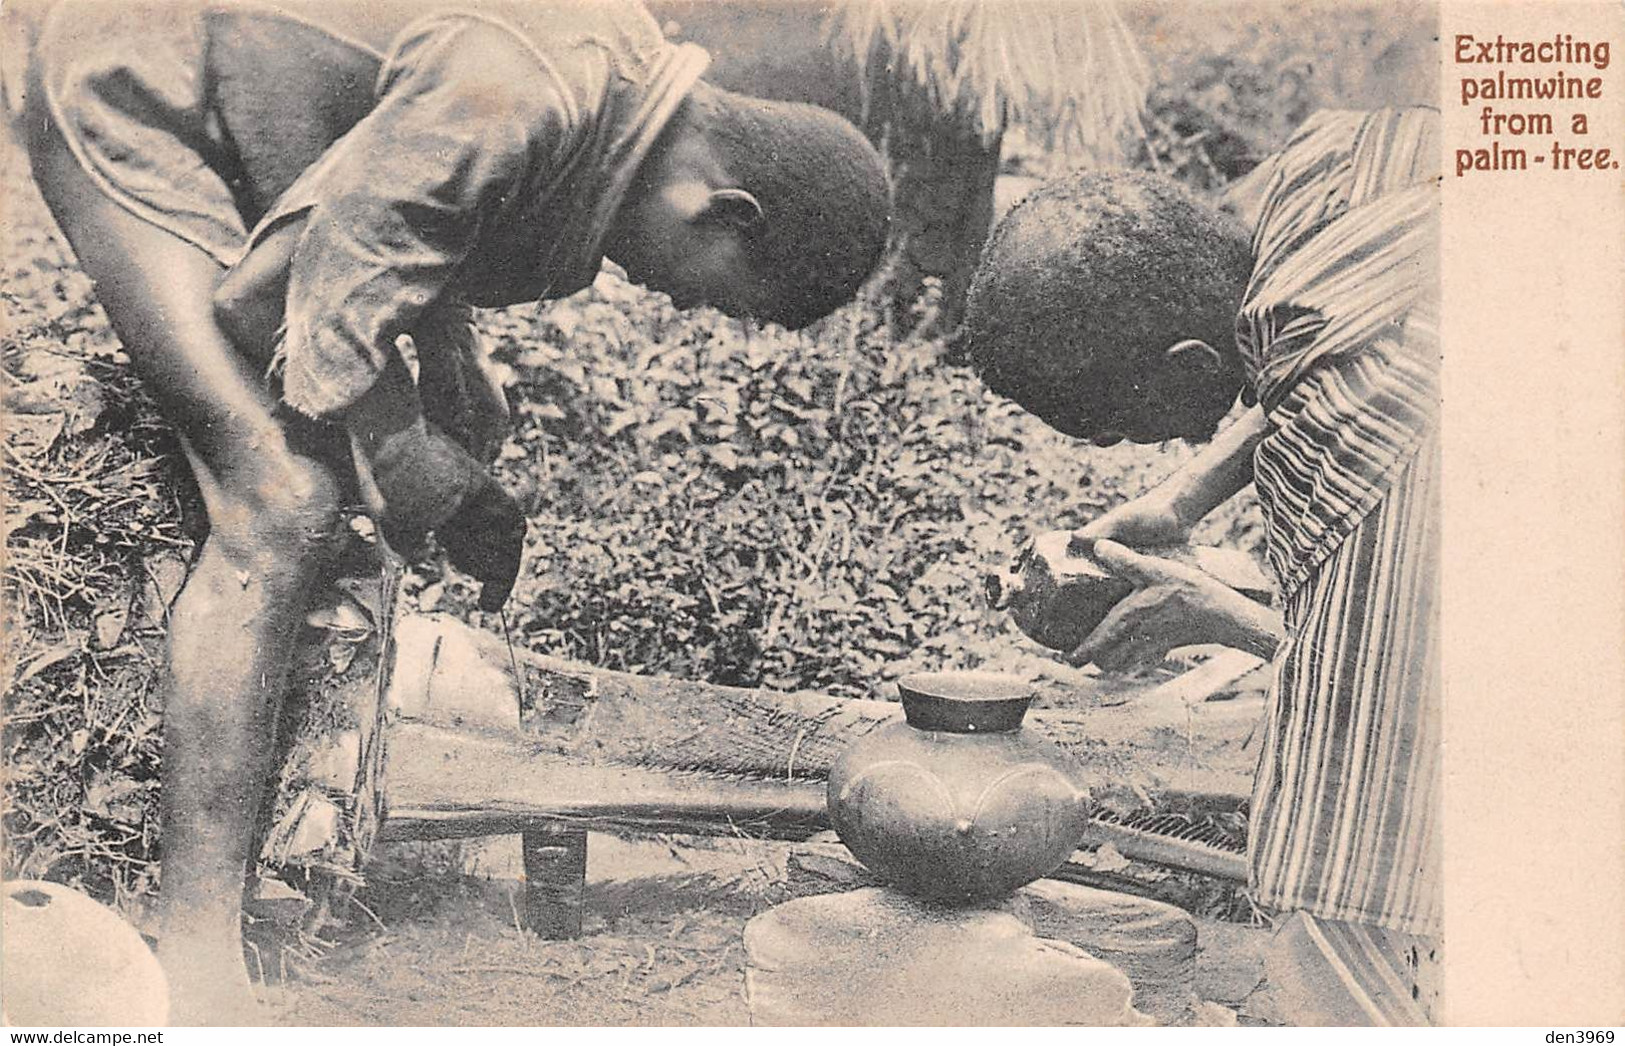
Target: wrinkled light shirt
x,y
442,154
488,173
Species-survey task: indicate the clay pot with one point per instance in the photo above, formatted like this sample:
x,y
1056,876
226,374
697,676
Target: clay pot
x,y
955,801
1057,594
70,961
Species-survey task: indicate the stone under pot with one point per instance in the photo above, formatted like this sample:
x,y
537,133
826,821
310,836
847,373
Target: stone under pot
x,y
957,802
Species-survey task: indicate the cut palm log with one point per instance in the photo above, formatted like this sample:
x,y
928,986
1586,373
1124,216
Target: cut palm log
x,y
445,783
474,738
479,731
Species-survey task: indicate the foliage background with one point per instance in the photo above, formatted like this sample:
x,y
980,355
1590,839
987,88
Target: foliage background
x,y
810,510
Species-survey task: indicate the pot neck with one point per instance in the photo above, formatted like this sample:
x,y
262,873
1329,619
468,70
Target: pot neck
x,y
960,716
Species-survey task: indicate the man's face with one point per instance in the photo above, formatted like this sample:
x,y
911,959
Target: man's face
x,y
696,260
1156,404
679,234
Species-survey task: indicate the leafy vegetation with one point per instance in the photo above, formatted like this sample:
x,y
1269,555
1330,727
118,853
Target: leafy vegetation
x,y
762,508
808,510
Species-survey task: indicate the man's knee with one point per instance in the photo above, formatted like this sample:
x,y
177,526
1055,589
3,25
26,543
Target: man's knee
x,y
286,511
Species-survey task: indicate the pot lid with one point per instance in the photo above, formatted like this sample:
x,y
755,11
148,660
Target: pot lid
x,y
965,702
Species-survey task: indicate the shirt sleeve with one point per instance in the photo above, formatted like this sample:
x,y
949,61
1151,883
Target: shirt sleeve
x,y
397,205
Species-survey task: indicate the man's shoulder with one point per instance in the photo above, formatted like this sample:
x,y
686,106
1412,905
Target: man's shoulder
x,y
568,55
1337,159
497,71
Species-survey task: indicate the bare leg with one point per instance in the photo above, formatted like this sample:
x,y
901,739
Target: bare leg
x,y
273,513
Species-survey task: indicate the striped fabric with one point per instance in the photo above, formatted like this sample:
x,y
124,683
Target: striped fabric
x,y
1339,436
1345,801
1339,326
1392,978
1339,332
1329,972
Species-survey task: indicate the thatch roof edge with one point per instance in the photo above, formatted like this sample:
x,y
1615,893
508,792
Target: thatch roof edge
x,y
1067,71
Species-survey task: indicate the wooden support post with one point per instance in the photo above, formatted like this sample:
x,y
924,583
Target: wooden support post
x,y
555,879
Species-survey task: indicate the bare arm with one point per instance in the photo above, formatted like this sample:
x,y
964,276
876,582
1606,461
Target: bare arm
x,y
1173,605
251,301
1218,471
1166,514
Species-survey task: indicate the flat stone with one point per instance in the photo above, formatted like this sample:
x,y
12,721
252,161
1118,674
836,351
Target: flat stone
x,y
1230,963
876,957
1152,943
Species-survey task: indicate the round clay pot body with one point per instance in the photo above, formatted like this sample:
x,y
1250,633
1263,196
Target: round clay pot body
x,y
65,959
958,802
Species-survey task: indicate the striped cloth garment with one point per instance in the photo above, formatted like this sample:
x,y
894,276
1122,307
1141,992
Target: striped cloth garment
x,y
1338,330
1339,334
1327,972
1344,818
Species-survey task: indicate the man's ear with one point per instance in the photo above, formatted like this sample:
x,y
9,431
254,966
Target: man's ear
x,y
1194,356
734,208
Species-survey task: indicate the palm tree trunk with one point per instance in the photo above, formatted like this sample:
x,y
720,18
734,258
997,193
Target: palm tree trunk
x,y
943,212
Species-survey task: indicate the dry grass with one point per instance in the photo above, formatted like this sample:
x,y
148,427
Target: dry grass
x,y
94,548
1069,74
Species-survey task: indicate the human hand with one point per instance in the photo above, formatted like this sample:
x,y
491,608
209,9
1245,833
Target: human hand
x,y
250,303
1172,605
460,391
417,479
413,479
486,540
1147,521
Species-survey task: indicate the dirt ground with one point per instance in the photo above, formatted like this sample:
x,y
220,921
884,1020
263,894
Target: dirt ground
x,y
442,945
662,943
